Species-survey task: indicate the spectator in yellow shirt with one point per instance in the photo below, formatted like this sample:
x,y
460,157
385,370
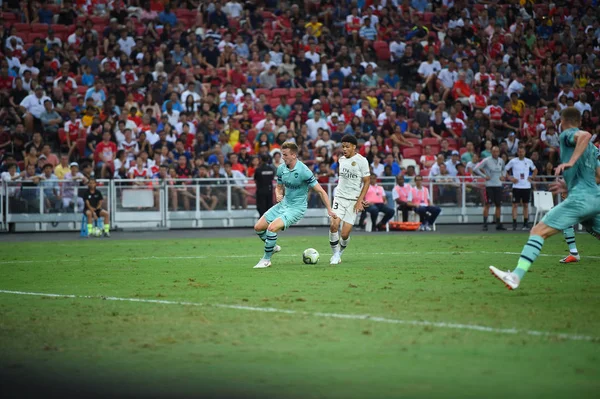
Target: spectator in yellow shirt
x,y
63,167
517,104
314,26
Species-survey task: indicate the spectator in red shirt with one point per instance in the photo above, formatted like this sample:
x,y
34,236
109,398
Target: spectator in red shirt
x,y
105,154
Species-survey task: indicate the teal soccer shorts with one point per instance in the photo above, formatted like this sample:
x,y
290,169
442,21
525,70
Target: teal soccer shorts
x,y
290,216
574,210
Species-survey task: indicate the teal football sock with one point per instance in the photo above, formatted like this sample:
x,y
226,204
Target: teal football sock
x,y
569,235
530,252
262,235
270,243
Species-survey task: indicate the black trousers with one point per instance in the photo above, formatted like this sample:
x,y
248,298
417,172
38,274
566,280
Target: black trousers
x,y
264,201
405,208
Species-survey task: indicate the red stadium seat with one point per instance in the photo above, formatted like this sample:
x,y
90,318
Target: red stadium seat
x,y
416,142
430,141
412,153
40,28
452,143
462,150
425,172
383,53
280,92
294,91
266,92
22,28
379,44
274,102
81,146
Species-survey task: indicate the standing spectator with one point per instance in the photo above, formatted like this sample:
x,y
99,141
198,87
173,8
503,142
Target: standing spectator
x,y
375,201
492,169
523,171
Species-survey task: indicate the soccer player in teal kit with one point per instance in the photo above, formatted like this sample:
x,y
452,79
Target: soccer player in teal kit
x,y
294,179
579,160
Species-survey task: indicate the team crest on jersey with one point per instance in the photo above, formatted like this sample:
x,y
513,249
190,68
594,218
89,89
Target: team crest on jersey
x,y
296,175
353,163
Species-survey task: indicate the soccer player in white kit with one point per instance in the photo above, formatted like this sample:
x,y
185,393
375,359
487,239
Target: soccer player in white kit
x,y
523,171
349,198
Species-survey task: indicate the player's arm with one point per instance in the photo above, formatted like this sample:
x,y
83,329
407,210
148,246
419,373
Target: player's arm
x,y
359,207
479,170
581,139
534,172
324,199
280,188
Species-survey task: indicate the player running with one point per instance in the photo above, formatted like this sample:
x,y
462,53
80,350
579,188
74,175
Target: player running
x,y
579,160
560,187
293,181
349,196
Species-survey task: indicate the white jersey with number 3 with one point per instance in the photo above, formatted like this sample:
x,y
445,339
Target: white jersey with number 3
x,y
351,171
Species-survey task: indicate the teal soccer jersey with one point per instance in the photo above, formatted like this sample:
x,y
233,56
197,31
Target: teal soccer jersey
x,y
583,201
581,178
297,182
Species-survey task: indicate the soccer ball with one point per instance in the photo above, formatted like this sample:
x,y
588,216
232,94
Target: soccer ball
x,y
310,256
97,232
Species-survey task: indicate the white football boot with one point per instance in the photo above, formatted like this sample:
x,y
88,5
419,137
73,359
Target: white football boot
x,y
263,264
510,280
276,249
336,259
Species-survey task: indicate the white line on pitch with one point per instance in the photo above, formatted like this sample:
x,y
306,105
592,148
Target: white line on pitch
x,y
134,258
456,326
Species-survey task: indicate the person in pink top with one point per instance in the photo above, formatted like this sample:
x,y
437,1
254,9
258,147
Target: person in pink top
x,y
403,195
427,213
375,202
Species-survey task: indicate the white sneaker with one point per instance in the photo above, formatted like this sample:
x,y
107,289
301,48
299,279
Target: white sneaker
x,y
262,264
510,280
276,249
428,228
336,259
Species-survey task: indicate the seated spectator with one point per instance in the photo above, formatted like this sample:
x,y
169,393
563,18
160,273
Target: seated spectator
x,y
427,213
403,196
375,201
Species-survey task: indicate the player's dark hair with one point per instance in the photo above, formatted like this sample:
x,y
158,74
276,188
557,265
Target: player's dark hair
x,y
348,138
571,115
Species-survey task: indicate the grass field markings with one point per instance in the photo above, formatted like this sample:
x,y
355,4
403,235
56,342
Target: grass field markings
x,y
377,319
10,262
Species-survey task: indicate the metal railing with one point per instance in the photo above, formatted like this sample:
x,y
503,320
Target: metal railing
x,y
197,203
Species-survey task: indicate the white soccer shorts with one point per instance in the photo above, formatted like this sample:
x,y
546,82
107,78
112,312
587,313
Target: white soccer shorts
x,y
344,209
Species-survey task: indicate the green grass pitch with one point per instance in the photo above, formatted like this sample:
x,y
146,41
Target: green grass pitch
x,y
442,326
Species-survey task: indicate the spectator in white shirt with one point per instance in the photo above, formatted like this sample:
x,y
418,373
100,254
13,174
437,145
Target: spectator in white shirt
x,y
582,105
314,124
447,77
452,162
515,86
428,71
126,43
233,9
32,106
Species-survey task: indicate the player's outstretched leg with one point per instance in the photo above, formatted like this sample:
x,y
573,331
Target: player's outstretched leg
x,y
260,228
530,252
270,243
573,257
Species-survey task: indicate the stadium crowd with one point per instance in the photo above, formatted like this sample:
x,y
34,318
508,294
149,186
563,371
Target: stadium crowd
x,y
151,89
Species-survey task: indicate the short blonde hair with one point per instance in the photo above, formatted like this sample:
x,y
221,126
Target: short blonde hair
x,y
290,146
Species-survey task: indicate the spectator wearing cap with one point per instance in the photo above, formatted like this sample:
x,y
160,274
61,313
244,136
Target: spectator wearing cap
x,y
317,107
452,162
74,178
